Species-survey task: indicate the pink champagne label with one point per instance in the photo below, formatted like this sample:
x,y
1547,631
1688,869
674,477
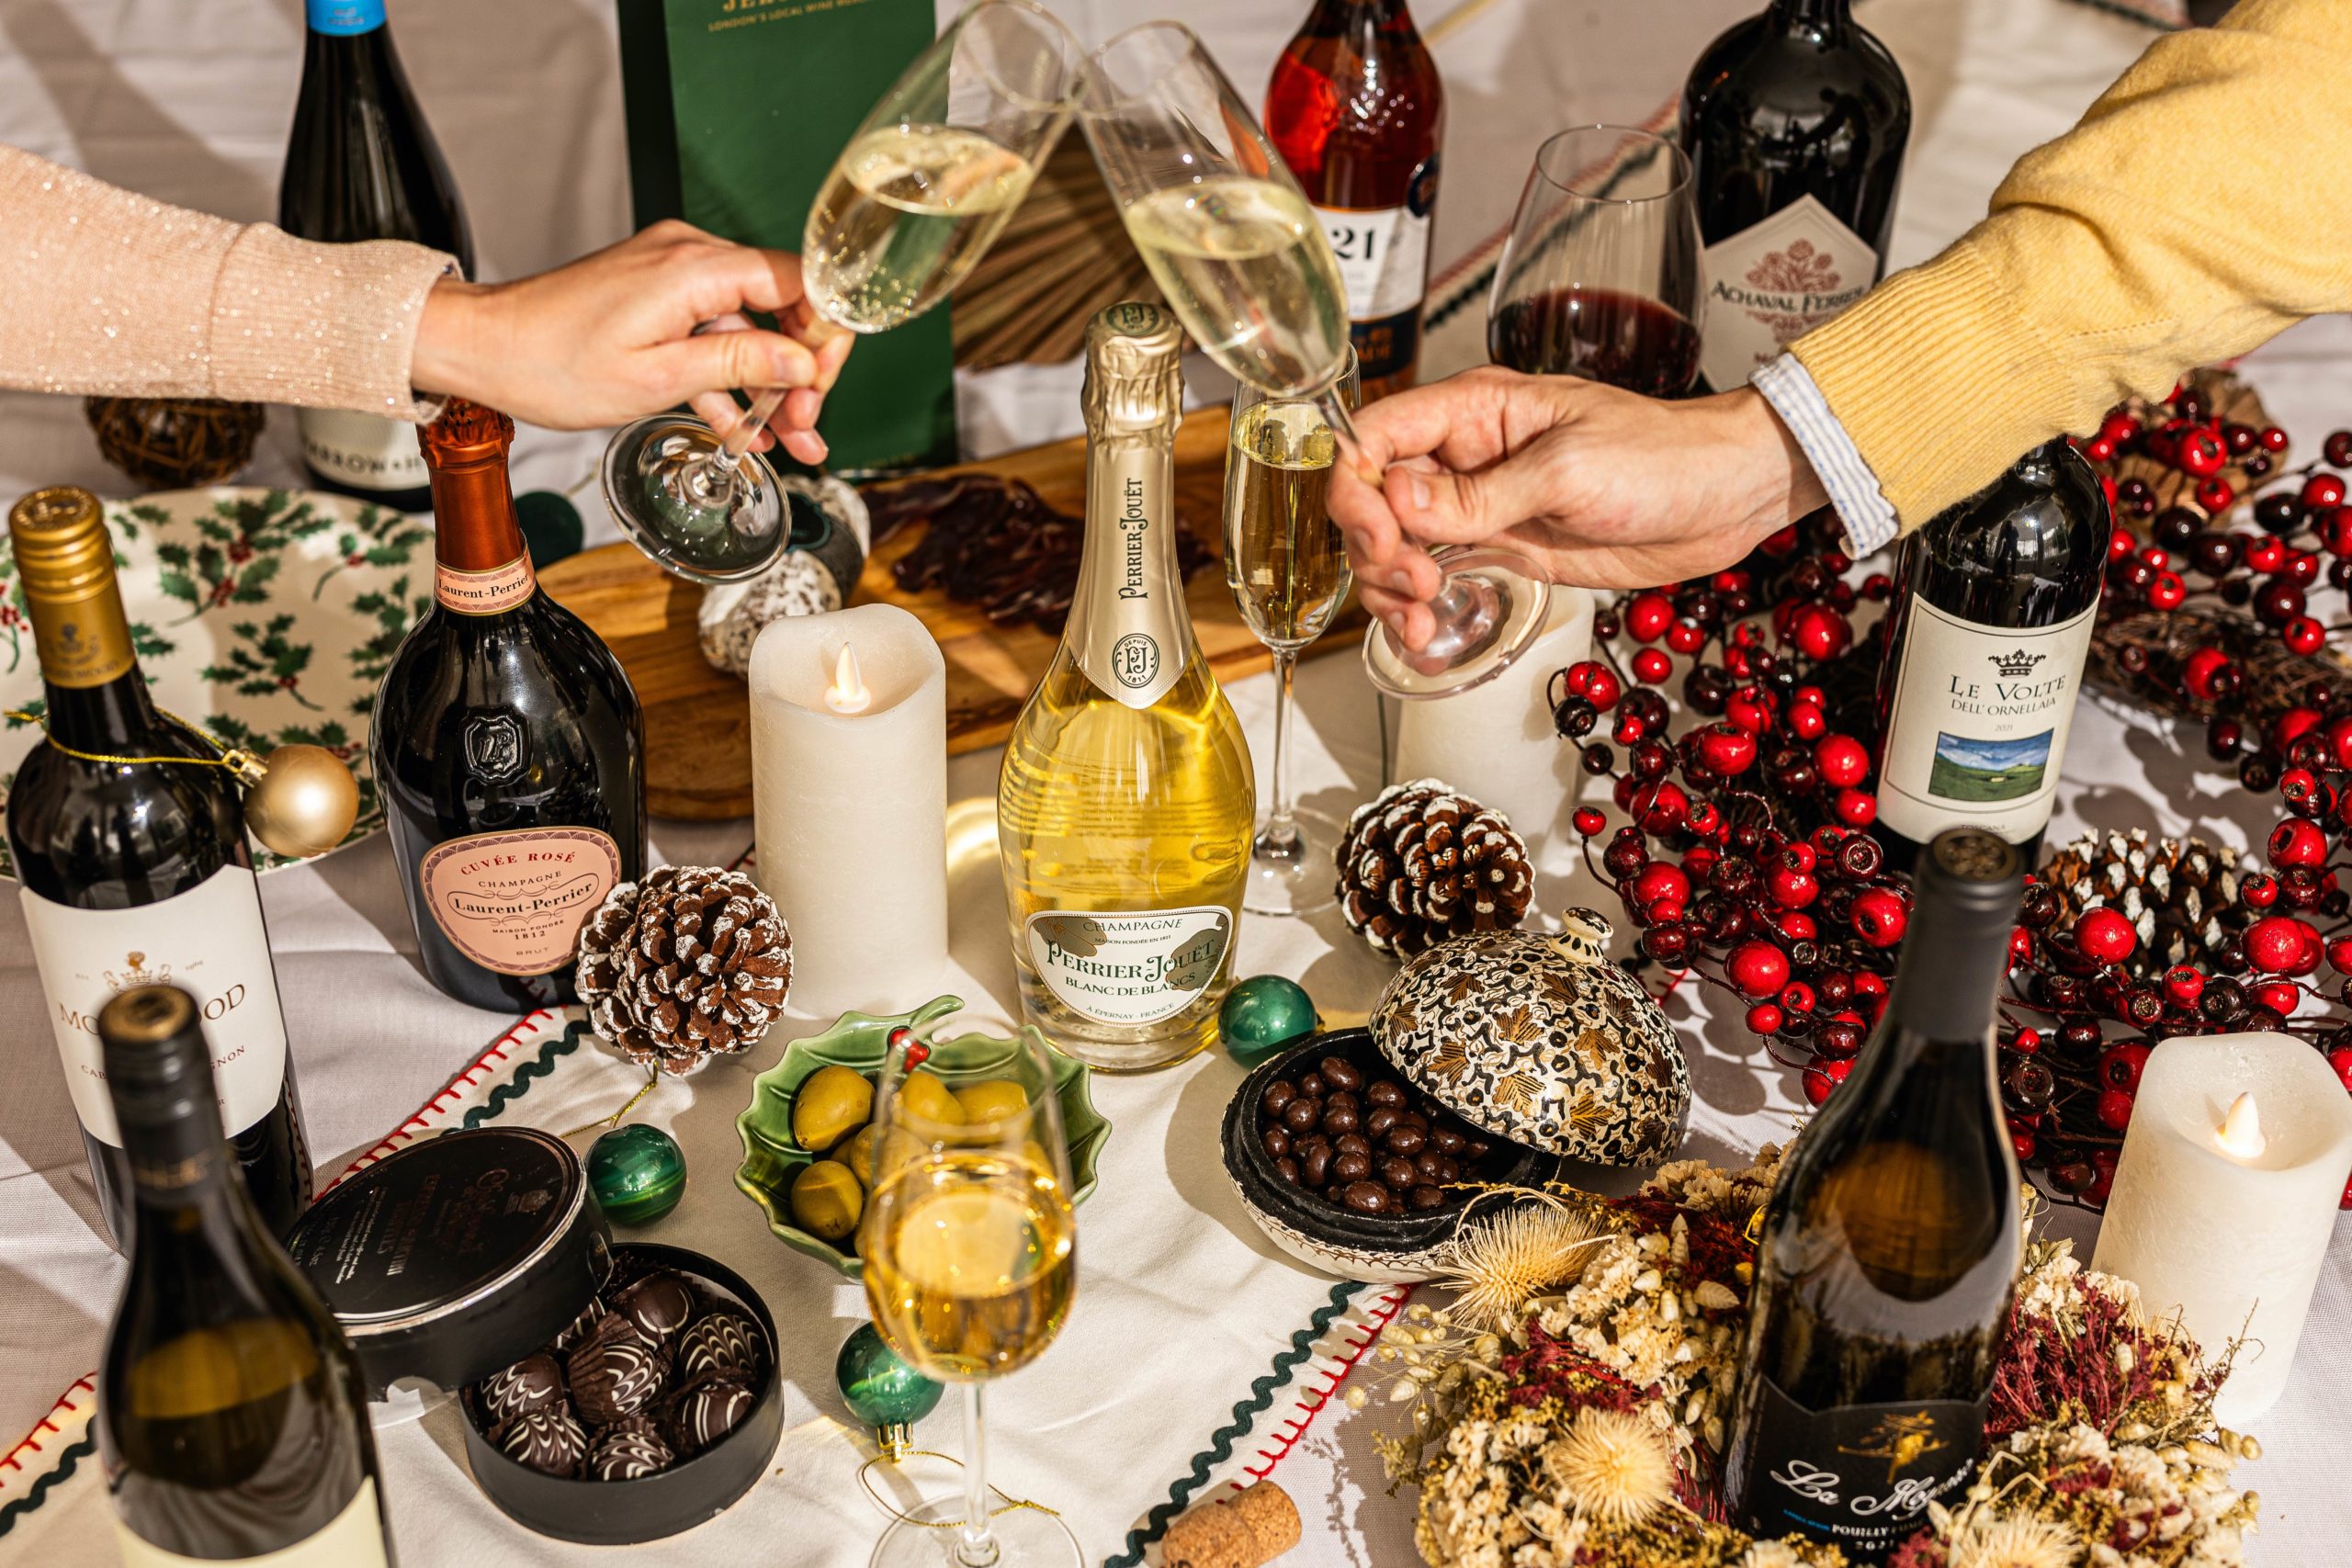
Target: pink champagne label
x,y
515,902
484,593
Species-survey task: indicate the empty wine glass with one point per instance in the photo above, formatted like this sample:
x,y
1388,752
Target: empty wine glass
x,y
909,207
1245,264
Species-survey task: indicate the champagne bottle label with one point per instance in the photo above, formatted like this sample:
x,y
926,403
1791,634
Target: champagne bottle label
x,y
1859,1476
1129,968
355,1539
1774,282
1978,725
514,902
362,450
210,940
1384,267
1129,629
484,593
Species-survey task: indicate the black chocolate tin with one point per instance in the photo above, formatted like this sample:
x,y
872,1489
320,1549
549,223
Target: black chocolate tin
x,y
457,1256
625,1513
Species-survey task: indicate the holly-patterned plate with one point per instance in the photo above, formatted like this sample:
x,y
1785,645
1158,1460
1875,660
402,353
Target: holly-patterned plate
x,y
265,615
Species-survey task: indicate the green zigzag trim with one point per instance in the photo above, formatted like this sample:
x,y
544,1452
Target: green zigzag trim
x,y
1244,1414
539,1066
33,1499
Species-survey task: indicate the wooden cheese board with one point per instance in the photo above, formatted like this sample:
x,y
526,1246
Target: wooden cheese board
x,y
697,719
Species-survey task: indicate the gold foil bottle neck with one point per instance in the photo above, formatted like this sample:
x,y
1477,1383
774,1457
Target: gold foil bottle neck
x,y
65,561
1134,382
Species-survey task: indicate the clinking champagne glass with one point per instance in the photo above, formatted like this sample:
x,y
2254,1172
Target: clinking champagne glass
x,y
971,1257
1288,569
1232,242
910,206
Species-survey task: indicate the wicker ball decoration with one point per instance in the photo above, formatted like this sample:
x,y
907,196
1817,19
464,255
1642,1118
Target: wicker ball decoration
x,y
692,962
1420,865
175,442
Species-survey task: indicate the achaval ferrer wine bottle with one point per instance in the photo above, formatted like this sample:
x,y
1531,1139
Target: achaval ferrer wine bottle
x,y
508,745
137,872
1891,1244
232,1420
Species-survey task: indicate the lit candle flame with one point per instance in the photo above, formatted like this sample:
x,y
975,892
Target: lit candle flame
x,y
2241,1135
848,693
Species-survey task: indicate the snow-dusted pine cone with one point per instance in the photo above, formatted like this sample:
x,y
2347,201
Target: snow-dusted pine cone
x,y
2179,895
692,961
1420,864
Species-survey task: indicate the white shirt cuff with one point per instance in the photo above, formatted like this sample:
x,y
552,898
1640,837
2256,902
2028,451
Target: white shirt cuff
x,y
1853,488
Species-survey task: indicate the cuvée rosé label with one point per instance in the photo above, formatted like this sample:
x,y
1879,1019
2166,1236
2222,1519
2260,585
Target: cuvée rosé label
x,y
514,902
484,593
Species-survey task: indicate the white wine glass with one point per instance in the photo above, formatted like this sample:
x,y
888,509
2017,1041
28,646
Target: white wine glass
x,y
1244,262
1287,567
970,1249
911,204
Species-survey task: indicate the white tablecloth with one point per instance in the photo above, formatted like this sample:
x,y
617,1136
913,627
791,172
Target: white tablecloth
x,y
1182,1304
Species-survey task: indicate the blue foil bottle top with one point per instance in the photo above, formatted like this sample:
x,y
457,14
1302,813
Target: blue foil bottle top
x,y
344,18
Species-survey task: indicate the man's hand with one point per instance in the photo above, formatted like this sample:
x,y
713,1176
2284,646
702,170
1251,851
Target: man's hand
x,y
1597,487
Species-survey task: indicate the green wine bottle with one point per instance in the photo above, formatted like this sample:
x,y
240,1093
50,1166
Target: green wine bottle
x,y
232,1422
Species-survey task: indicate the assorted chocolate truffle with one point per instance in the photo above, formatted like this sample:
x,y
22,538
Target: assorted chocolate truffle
x,y
535,1383
658,1305
549,1440
1376,1147
629,1449
719,1342
708,1411
615,1372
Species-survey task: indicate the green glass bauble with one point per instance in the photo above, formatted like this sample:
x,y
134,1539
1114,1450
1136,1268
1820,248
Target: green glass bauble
x,y
880,1389
638,1173
1262,1015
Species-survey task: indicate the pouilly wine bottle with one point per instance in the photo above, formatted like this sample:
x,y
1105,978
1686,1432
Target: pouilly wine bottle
x,y
362,164
508,746
138,871
1990,625
1891,1244
1357,110
1795,121
232,1420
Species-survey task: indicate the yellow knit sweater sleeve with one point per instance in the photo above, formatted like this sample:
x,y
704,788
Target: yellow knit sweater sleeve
x,y
2190,216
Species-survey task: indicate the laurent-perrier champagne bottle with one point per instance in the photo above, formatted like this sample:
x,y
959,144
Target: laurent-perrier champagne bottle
x,y
1891,1244
1125,808
232,1420
137,872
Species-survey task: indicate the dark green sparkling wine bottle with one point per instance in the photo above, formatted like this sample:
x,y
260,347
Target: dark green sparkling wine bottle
x,y
233,1421
1891,1245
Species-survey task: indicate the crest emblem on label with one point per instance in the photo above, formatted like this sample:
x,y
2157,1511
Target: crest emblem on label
x,y
1776,280
493,747
1134,658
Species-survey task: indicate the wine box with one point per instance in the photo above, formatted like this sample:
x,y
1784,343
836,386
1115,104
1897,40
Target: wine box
x,y
735,112
458,1255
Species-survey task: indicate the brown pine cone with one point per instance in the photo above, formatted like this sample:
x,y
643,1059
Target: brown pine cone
x,y
692,961
1420,864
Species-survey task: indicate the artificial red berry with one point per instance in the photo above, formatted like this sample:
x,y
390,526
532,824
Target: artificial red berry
x,y
1756,969
1686,636
1665,808
1791,889
1821,634
1841,759
2273,438
1589,822
1823,1077
2215,495
2281,945
2290,727
2297,842
2201,672
2259,892
1807,720
2278,602
2022,1142
1659,880
1797,998
1879,917
2199,453
2021,945
2121,1064
1856,808
2339,955
2341,1060
2322,490
2183,986
2028,1041
1751,708
1651,667
1764,1018
1725,748
2104,934
1595,682
2302,635
2278,995
2114,1109
1794,924
1648,616
2167,591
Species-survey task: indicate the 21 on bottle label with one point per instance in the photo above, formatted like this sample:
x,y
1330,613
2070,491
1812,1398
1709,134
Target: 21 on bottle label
x,y
1129,969
514,902
1860,1476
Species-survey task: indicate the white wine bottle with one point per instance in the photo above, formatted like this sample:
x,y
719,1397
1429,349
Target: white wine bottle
x,y
1125,808
232,1420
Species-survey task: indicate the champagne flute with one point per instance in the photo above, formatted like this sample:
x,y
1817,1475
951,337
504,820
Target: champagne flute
x,y
1599,277
971,1258
1245,264
910,206
1288,569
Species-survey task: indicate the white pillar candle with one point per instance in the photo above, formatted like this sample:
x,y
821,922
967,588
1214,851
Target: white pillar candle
x,y
2224,1197
1494,744
849,789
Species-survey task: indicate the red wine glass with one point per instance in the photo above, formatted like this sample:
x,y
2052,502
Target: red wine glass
x,y
1600,276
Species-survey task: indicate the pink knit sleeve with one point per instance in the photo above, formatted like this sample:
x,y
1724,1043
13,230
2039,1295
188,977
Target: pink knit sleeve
x,y
109,291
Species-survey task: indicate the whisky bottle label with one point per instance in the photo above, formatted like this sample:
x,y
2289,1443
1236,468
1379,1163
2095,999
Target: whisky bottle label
x,y
355,1539
210,940
1859,1475
1978,725
515,902
1774,282
1130,629
362,450
1384,256
1130,968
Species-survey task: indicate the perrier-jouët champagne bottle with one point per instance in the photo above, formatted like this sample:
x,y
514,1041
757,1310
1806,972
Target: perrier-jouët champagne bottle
x,y
1125,808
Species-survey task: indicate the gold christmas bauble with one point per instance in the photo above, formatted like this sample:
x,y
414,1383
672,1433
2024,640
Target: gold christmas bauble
x,y
304,803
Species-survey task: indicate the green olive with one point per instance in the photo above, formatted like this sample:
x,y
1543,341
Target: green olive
x,y
991,1099
858,1153
830,1103
826,1200
923,1095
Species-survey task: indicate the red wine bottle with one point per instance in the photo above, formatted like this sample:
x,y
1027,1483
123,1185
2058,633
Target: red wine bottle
x,y
362,164
1891,1245
1987,639
133,874
1795,121
1601,334
1356,109
508,747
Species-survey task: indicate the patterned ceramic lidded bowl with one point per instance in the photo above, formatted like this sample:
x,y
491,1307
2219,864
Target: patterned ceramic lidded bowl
x,y
1543,1041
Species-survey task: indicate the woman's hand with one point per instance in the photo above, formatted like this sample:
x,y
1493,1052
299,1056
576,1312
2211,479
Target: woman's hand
x,y
1597,487
654,322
